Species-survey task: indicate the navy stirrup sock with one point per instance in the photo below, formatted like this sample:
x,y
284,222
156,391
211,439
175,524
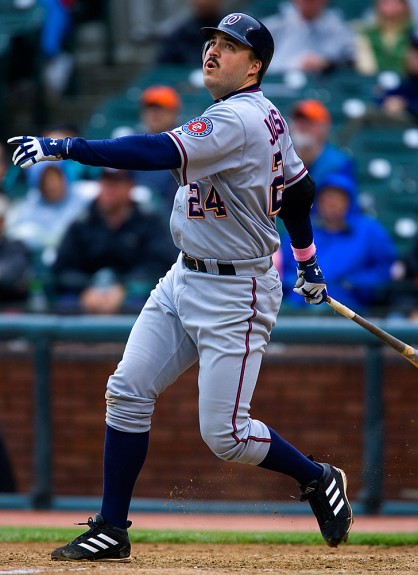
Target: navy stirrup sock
x,y
285,458
124,456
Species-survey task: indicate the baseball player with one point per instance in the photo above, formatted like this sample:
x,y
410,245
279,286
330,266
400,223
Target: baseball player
x,y
237,170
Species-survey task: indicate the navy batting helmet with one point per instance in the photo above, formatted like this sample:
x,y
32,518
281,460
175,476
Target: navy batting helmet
x,y
248,31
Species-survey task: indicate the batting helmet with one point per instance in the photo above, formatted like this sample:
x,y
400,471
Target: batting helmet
x,y
250,32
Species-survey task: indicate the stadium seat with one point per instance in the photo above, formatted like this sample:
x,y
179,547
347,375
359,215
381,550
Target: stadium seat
x,y
15,21
388,176
352,9
262,9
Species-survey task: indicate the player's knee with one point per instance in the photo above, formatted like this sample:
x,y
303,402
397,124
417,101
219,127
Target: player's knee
x,y
128,413
223,445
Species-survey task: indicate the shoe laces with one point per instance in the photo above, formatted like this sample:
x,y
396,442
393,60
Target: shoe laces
x,y
90,522
307,492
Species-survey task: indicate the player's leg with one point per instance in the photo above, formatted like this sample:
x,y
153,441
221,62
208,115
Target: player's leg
x,y
230,358
231,348
230,319
157,351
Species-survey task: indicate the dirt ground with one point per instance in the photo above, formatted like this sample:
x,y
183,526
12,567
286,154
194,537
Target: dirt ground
x,y
164,559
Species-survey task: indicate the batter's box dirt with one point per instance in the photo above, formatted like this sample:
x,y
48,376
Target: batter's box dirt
x,y
163,559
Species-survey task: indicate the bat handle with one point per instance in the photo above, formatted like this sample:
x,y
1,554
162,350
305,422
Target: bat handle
x,y
340,308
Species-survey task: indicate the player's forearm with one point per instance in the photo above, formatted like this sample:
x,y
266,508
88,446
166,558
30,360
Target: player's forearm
x,y
139,152
295,213
301,237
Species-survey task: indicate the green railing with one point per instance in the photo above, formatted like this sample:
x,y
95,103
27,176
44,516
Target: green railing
x,y
43,330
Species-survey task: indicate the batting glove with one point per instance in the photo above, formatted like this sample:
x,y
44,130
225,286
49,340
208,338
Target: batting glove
x,y
31,149
311,282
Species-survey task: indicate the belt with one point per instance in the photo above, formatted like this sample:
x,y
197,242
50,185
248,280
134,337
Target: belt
x,y
199,266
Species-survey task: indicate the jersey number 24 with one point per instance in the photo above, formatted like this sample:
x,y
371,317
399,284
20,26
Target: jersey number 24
x,y
212,203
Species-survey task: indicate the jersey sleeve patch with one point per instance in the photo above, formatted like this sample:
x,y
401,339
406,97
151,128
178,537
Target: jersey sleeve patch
x,y
198,127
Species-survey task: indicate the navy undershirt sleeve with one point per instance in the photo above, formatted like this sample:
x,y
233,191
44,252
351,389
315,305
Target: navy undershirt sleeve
x,y
300,231
138,152
295,213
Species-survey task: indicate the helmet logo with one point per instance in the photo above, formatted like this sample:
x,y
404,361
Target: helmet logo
x,y
231,20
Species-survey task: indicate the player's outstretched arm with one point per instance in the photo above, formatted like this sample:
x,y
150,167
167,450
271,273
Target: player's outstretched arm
x,y
33,149
138,152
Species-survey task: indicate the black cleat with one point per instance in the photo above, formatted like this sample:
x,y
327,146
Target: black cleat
x,y
101,542
328,498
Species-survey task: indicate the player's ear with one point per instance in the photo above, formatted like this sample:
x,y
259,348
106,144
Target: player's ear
x,y
255,67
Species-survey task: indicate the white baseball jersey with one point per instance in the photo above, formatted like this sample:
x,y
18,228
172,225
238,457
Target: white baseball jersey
x,y
236,160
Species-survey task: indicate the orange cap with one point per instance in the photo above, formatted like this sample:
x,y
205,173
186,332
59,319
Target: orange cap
x,y
312,110
162,96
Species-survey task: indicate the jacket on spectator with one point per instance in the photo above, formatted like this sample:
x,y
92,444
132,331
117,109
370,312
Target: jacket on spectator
x,y
328,35
356,260
138,252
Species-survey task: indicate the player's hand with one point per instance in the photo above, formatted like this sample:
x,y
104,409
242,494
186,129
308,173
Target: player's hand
x,y
31,149
311,282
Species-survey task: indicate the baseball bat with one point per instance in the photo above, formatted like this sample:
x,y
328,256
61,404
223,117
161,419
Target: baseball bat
x,y
407,351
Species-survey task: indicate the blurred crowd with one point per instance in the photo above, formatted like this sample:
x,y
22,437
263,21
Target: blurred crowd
x,y
85,240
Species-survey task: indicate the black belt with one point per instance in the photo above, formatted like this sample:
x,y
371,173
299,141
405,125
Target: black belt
x,y
199,265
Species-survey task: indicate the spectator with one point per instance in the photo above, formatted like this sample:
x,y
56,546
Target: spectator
x,y
56,36
382,43
183,45
310,128
356,251
15,268
41,218
159,112
402,102
160,107
21,24
309,37
148,20
112,256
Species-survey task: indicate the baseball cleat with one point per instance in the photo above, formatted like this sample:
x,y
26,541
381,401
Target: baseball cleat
x,y
101,542
328,499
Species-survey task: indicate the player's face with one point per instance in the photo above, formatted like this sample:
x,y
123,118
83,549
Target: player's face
x,y
228,65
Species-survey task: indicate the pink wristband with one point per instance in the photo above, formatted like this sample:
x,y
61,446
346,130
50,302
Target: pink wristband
x,y
304,254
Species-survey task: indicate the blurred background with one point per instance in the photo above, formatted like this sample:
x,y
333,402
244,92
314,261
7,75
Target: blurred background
x,y
345,78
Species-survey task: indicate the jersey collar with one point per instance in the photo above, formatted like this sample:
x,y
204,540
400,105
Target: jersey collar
x,y
252,88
